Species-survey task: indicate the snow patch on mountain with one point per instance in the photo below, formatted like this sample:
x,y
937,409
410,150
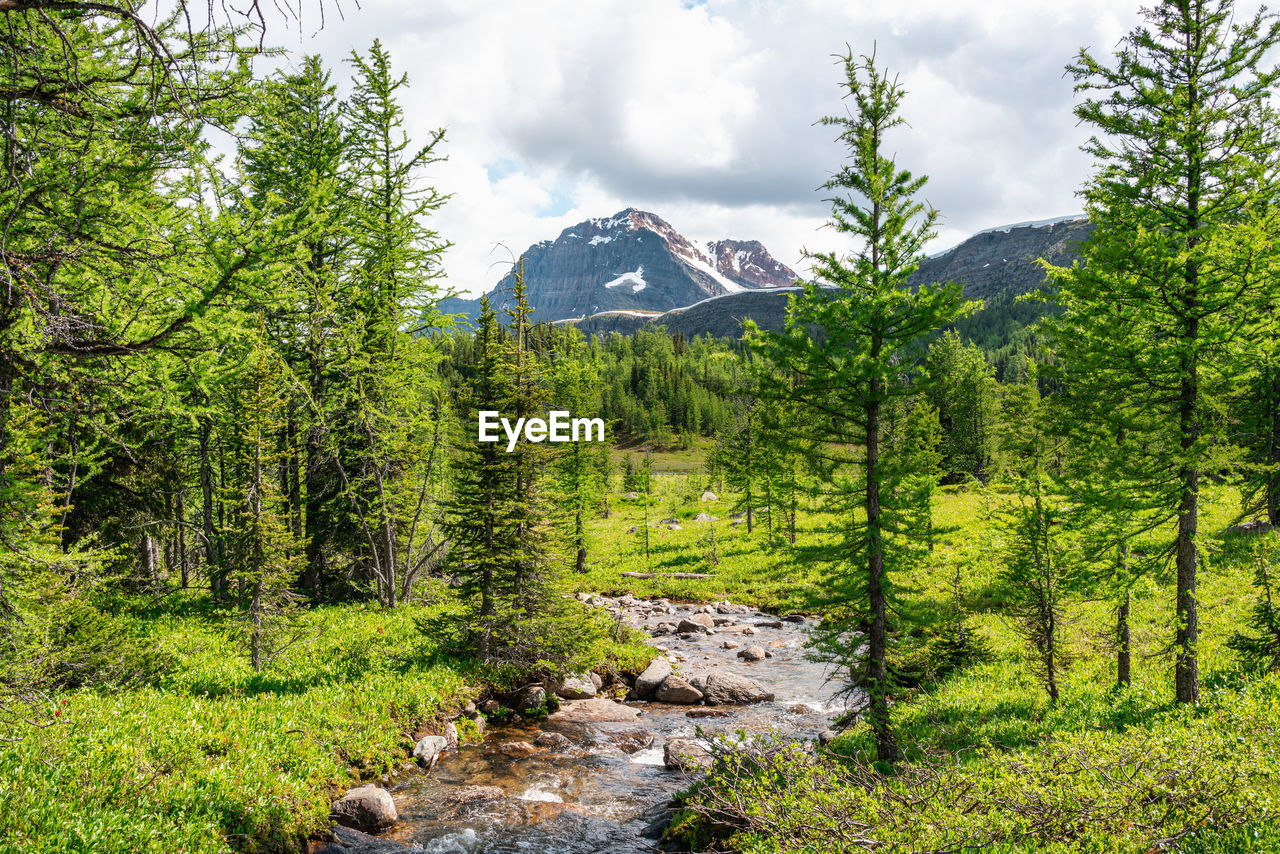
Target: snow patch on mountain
x,y
635,280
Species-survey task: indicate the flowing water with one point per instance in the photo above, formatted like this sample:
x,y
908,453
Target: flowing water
x,y
594,795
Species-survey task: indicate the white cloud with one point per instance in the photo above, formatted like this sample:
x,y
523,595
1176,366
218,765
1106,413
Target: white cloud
x,y
704,114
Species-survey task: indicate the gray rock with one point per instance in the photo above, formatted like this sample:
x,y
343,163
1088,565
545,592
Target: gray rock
x,y
770,624
749,630
596,680
729,645
706,517
670,520
577,686
730,689
633,529
631,496
689,627
674,527
367,808
553,741
1257,526
708,496
686,755
730,608
662,629
752,653
827,736
450,736
675,690
429,748
699,681
724,621
795,618
349,841
646,683
490,707
530,699
633,742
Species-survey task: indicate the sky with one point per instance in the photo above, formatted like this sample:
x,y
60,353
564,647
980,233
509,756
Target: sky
x,y
705,112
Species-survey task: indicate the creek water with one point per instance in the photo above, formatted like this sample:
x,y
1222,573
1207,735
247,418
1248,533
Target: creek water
x,y
599,794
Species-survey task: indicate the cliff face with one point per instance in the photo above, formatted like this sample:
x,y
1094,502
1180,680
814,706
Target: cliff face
x,y
632,261
991,264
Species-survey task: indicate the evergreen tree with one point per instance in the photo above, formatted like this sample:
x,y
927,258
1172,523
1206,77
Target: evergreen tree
x,y
1154,312
848,347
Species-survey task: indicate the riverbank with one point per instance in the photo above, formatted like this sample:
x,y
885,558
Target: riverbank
x,y
213,758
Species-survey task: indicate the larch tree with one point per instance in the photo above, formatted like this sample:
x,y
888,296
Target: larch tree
x,y
1154,315
847,350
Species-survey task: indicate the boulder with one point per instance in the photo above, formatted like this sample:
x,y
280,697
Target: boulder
x,y
348,841
704,620
633,529
662,629
516,749
752,653
599,709
730,689
795,618
749,630
689,627
770,624
670,520
577,686
653,676
708,496
724,621
675,690
706,713
553,741
699,681
490,707
531,699
706,517
686,755
367,808
450,736
674,527
730,608
429,748
827,736
631,496
729,645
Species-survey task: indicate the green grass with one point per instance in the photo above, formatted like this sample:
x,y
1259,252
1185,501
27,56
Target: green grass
x,y
992,764
216,758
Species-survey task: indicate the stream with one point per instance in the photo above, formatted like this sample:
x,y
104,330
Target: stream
x,y
603,789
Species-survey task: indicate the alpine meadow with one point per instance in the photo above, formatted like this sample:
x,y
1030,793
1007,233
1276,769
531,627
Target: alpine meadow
x,y
314,542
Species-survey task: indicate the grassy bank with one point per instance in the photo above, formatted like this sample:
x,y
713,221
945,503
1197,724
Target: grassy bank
x,y
215,758
992,765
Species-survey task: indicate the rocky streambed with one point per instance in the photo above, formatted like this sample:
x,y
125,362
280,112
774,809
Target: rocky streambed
x,y
598,774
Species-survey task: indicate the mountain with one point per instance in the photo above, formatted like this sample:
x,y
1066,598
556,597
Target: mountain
x,y
632,261
997,265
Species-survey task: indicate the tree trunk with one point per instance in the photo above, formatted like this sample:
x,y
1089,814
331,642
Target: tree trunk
x,y
211,555
1273,454
580,563
877,670
1124,647
1186,667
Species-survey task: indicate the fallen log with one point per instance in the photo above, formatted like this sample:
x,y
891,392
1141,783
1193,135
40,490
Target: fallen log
x,y
664,575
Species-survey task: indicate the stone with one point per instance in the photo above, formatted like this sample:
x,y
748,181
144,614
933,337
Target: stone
x,y
690,627
749,630
670,520
469,709
724,621
450,736
729,645
770,624
429,748
706,517
730,608
708,496
490,707
599,709
479,722
674,527
735,523
699,681
706,713
675,690
531,699
631,496
634,741
596,680
553,741
686,754
470,794
752,653
1257,526
730,689
705,620
653,676
367,808
349,841
577,686
516,749
794,618
633,529
662,629
827,736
